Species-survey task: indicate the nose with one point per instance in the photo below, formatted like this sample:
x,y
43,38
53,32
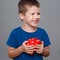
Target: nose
x,y
37,16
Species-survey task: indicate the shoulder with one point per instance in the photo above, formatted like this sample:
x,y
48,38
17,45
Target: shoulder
x,y
16,30
41,29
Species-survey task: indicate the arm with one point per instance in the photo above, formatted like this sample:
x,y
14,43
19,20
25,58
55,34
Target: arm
x,y
46,51
14,52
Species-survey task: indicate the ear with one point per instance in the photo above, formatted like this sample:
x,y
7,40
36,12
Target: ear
x,y
21,15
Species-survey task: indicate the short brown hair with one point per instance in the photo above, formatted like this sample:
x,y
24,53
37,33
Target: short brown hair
x,y
23,3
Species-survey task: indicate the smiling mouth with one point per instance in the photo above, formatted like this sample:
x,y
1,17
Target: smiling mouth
x,y
36,21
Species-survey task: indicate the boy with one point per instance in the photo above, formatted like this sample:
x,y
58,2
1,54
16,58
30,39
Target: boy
x,y
29,12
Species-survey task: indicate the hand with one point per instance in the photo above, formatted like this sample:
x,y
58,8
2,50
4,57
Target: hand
x,y
28,48
39,48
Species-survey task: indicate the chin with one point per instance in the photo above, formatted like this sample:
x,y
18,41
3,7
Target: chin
x,y
34,26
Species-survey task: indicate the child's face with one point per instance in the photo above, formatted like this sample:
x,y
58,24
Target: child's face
x,y
32,16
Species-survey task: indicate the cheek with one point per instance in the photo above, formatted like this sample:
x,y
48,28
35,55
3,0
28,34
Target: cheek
x,y
39,17
29,17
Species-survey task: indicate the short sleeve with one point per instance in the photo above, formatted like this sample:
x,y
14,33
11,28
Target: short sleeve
x,y
12,41
46,39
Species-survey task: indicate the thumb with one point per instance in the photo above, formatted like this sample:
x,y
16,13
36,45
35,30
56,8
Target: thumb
x,y
24,43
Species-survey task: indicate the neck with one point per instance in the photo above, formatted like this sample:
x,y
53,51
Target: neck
x,y
29,28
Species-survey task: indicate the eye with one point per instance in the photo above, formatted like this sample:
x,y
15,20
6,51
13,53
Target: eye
x,y
38,13
32,13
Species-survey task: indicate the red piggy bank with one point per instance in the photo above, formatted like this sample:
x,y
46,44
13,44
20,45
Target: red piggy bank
x,y
33,41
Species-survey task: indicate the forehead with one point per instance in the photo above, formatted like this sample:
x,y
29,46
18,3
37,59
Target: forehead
x,y
33,9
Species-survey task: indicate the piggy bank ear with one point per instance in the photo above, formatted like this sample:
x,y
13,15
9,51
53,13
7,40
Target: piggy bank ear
x,y
29,39
34,38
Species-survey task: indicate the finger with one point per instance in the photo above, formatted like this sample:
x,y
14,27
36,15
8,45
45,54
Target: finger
x,y
25,42
39,51
30,51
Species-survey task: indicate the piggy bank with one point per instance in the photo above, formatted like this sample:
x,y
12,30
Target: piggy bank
x,y
33,41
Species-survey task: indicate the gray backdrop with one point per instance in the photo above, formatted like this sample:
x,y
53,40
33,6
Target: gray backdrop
x,y
50,21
